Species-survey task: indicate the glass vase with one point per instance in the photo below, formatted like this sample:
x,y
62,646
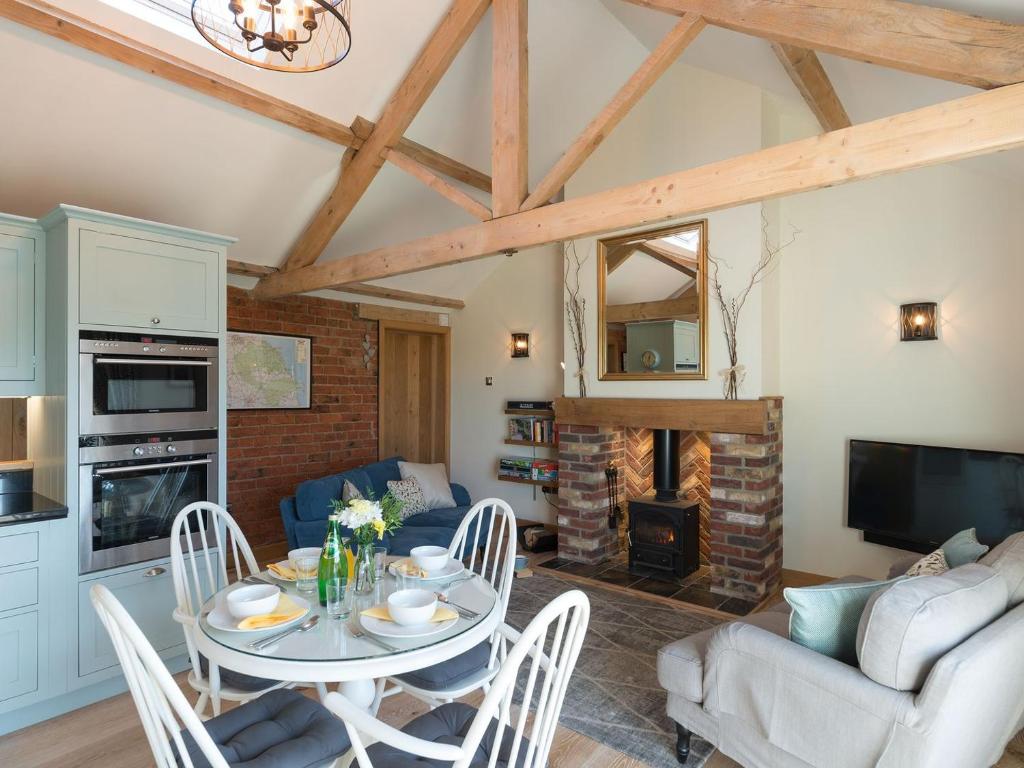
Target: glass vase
x,y
365,577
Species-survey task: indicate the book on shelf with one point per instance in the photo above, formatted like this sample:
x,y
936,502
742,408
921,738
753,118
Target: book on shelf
x,y
531,429
525,468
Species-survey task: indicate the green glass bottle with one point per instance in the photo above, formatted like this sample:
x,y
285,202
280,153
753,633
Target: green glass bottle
x,y
333,564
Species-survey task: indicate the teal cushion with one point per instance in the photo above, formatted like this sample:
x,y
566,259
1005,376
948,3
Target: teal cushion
x,y
963,548
825,617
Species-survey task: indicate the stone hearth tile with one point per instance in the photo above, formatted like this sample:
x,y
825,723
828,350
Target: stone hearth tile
x,y
618,576
698,596
656,587
737,606
554,563
582,569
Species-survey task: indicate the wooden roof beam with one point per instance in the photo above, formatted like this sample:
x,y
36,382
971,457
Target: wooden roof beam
x,y
805,70
974,125
915,38
660,59
686,266
510,124
420,81
469,204
651,310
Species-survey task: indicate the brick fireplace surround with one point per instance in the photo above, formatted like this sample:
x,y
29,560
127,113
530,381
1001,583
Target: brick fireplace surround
x,y
736,475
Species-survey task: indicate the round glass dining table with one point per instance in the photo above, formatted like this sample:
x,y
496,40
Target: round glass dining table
x,y
332,651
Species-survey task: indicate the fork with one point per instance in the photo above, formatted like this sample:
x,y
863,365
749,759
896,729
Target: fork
x,y
359,634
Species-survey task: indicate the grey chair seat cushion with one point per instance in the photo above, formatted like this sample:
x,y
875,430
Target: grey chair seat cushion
x,y
280,729
450,673
681,664
229,678
448,724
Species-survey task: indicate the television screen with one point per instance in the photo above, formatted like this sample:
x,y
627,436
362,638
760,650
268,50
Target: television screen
x,y
918,496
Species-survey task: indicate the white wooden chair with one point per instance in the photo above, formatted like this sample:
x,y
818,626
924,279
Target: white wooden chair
x,y
486,539
301,731
499,735
204,538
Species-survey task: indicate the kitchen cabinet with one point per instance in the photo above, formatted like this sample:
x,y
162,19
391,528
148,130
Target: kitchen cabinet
x,y
19,655
143,282
21,307
675,345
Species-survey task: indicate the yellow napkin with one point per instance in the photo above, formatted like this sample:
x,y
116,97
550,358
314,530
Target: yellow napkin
x,y
409,568
443,613
282,570
285,611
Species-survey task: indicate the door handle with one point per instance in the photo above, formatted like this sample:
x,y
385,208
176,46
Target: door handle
x,y
154,572
148,361
138,467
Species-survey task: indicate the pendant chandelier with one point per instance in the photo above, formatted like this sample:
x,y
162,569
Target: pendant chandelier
x,y
283,35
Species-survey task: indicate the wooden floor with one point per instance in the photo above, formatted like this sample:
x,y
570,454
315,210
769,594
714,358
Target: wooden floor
x,y
108,734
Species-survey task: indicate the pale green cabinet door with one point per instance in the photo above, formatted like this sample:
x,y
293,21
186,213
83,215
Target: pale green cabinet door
x,y
148,595
19,655
17,308
130,281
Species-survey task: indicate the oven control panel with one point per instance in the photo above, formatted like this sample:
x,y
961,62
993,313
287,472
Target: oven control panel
x,y
97,448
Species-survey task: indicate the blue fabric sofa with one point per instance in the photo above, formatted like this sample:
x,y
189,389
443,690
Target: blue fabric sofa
x,y
305,513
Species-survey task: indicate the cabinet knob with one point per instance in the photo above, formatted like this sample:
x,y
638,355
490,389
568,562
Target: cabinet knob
x,y
155,321
154,572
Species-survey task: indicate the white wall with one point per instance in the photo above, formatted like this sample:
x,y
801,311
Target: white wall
x,y
522,294
946,234
689,118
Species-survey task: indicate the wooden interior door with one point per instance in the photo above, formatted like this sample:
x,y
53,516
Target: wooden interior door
x,y
414,387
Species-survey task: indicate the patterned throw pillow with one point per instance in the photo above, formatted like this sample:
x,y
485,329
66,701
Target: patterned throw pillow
x,y
410,494
963,548
930,565
349,492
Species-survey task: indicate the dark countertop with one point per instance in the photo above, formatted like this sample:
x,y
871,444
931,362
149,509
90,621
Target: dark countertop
x,y
28,507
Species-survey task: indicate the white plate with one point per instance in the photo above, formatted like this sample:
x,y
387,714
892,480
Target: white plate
x,y
450,571
391,629
283,564
219,617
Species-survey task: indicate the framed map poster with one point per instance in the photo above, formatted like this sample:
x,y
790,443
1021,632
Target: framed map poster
x,y
268,371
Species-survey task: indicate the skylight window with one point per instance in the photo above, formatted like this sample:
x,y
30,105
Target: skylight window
x,y
173,15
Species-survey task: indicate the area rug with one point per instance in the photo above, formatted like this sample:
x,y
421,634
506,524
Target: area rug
x,y
614,697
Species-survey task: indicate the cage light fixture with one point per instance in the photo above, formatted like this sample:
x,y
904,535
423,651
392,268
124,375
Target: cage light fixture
x,y
919,321
520,345
281,35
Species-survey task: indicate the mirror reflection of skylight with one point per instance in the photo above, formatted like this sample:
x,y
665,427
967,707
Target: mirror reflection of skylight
x,y
688,240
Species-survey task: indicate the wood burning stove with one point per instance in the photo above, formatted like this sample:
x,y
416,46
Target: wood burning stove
x,y
664,532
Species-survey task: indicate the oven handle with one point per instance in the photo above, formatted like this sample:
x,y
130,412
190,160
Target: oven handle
x,y
137,467
148,361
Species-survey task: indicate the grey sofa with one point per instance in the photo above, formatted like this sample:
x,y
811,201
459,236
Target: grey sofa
x,y
767,702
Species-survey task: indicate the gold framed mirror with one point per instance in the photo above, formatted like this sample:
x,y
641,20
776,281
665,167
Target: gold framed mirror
x,y
652,304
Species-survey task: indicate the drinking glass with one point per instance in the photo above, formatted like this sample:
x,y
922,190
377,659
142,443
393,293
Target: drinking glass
x,y
380,555
306,573
339,599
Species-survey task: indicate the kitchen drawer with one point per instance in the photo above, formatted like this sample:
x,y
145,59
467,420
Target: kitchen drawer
x,y
19,589
19,548
148,596
19,655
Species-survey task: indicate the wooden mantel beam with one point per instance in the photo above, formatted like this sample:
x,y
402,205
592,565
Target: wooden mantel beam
x,y
974,125
423,76
660,59
805,70
510,127
915,38
743,417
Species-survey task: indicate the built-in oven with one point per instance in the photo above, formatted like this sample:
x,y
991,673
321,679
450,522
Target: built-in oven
x,y
130,489
132,383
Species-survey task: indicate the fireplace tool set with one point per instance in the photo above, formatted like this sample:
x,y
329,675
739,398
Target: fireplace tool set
x,y
611,476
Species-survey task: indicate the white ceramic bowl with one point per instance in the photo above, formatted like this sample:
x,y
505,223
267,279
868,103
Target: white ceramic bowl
x,y
430,559
253,601
303,552
410,607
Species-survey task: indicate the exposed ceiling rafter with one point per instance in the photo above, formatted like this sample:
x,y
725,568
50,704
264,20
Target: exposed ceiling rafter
x,y
510,88
420,172
973,125
809,76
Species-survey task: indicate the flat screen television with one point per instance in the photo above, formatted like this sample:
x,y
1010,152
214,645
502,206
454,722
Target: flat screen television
x,y
916,496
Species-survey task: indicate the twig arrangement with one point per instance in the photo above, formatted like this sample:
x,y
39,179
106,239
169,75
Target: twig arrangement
x,y
576,311
732,377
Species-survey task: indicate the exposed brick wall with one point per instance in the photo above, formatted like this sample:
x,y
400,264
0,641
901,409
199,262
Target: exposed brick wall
x,y
695,482
583,455
746,510
638,462
271,452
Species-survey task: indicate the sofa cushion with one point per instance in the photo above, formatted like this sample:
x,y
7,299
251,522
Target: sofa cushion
x,y
439,518
433,482
963,548
1008,559
825,617
910,625
409,493
929,565
405,539
313,497
379,473
681,664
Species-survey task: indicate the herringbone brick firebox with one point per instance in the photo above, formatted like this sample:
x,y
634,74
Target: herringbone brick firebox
x,y
735,476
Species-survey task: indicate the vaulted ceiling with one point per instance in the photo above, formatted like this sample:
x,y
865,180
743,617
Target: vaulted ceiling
x,y
82,129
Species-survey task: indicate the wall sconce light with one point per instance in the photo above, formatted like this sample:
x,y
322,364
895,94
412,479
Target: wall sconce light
x,y
919,322
520,345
